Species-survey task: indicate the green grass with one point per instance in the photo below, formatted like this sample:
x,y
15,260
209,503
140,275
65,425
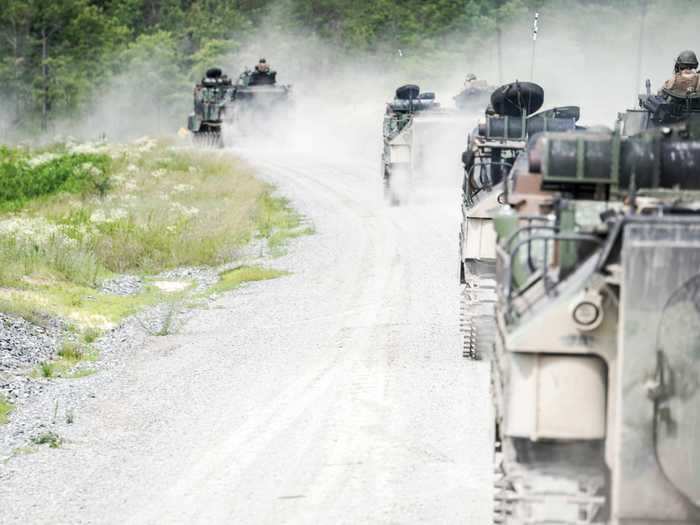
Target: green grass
x,y
28,311
232,279
69,355
85,307
5,409
49,438
91,334
21,180
278,222
86,217
71,352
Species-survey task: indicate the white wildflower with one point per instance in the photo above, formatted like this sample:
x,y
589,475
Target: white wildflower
x,y
179,188
184,210
39,160
87,147
90,169
118,213
98,216
29,229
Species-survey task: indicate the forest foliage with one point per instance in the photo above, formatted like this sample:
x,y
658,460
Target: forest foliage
x,y
56,57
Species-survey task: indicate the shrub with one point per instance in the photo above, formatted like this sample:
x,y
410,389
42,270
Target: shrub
x,y
22,178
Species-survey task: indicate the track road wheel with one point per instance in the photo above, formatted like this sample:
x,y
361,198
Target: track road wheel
x,y
477,317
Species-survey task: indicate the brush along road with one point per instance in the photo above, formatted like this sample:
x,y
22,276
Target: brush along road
x,y
335,394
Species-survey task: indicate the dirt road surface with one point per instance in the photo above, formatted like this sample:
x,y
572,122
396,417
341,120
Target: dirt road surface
x,y
336,394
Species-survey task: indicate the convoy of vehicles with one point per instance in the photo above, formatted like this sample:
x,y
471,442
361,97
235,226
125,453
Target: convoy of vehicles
x,y
220,103
580,261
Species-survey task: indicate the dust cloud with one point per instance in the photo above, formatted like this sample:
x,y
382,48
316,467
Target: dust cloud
x,y
588,53
588,56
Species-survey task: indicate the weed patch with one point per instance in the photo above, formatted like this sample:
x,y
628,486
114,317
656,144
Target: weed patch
x,y
23,177
69,355
277,222
91,334
49,438
5,409
232,279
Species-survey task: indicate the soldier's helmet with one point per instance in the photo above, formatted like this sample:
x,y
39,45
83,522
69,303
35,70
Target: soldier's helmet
x,y
263,61
471,77
686,60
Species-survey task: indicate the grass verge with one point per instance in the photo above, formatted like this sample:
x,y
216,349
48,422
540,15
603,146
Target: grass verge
x,y
73,216
232,279
96,211
69,356
277,222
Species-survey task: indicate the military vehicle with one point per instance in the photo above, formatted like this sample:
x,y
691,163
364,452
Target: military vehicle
x,y
596,364
219,103
475,95
491,153
398,153
258,96
212,97
420,139
667,107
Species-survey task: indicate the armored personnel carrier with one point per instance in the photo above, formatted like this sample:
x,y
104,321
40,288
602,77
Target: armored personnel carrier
x,y
667,107
219,103
420,142
474,96
400,145
258,91
596,363
212,97
492,150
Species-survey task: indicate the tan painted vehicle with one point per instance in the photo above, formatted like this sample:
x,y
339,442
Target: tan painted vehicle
x,y
420,139
596,365
493,147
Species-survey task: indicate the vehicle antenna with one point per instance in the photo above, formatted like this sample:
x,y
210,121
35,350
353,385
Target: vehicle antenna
x,y
534,42
640,45
499,56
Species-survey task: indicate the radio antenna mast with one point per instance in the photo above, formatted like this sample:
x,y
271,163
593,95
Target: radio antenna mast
x,y
640,46
534,41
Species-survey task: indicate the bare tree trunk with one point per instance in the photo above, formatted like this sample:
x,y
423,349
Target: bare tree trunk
x,y
45,77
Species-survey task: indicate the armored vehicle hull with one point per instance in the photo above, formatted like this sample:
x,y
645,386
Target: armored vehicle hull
x,y
224,108
493,149
418,136
212,95
258,103
595,382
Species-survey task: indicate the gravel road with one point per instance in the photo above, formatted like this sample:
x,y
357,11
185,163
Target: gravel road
x,y
336,394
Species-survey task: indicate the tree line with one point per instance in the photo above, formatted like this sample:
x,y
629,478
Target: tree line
x,y
56,56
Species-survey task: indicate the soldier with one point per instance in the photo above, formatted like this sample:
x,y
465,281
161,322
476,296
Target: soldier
x,y
262,66
685,77
471,83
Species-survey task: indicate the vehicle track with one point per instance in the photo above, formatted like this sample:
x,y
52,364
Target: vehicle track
x,y
334,395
